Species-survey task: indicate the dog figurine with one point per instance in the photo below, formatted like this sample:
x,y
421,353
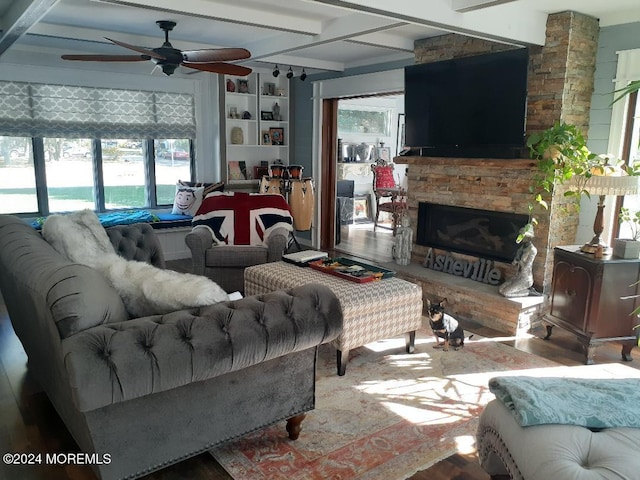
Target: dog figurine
x,y
444,326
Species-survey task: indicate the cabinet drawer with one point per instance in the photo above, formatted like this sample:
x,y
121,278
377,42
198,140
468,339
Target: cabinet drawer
x,y
572,293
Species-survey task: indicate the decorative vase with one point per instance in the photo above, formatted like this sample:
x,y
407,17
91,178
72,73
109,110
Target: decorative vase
x,y
276,112
237,136
626,248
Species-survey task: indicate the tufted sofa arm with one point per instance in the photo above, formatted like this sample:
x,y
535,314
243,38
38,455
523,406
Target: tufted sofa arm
x,y
198,240
277,244
115,362
138,242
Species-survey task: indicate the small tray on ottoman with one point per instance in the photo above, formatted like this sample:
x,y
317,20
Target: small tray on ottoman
x,y
352,270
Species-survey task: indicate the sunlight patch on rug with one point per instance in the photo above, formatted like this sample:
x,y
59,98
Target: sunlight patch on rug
x,y
391,415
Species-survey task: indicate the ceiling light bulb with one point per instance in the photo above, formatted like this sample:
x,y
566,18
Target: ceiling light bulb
x,y
303,75
276,72
290,73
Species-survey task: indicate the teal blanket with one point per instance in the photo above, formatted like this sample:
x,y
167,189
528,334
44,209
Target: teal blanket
x,y
109,219
590,403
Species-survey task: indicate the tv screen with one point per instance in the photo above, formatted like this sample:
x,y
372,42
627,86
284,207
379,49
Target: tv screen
x,y
468,107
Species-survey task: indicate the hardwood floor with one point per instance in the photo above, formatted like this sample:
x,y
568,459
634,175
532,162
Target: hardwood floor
x,y
28,422
360,240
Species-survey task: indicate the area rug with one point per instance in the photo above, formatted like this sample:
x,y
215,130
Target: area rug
x,y
391,415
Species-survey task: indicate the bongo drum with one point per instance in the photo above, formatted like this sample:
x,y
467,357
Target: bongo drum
x,y
276,171
270,185
295,172
301,201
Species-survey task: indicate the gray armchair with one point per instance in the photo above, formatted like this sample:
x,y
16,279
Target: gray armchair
x,y
225,264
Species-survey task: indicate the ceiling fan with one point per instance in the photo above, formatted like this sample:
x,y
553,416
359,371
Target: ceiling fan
x,y
169,58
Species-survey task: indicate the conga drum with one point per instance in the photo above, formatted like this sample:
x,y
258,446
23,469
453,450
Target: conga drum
x,y
301,201
276,171
295,172
270,185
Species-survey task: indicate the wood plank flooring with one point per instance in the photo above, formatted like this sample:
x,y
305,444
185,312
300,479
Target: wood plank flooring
x,y
28,422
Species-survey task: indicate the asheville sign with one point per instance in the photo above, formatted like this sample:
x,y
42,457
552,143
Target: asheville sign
x,y
481,270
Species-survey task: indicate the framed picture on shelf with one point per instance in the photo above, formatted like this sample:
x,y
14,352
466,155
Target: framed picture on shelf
x,y
259,172
269,88
266,115
277,135
243,85
384,153
266,137
362,208
236,171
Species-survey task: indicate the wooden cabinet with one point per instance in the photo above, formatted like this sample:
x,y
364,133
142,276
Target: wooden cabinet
x,y
587,299
254,115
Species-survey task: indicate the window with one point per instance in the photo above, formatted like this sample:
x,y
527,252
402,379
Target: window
x,y
17,176
172,163
66,148
624,137
364,119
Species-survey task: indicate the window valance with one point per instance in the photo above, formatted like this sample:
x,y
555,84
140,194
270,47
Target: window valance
x,y
41,110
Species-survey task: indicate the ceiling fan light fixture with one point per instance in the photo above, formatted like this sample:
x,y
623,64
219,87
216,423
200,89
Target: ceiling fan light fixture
x,y
276,72
290,73
303,75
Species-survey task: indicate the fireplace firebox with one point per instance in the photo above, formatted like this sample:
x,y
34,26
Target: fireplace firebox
x,y
481,233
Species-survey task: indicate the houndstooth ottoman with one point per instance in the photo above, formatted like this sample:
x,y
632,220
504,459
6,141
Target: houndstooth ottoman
x,y
372,311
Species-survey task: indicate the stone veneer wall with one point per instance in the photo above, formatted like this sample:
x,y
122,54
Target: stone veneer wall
x,y
560,85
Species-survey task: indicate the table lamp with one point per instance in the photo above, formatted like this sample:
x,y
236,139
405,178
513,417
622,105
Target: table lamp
x,y
603,186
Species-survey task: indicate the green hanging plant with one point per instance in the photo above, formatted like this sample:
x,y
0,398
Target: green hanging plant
x,y
563,156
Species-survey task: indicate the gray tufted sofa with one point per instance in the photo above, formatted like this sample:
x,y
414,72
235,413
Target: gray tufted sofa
x,y
152,391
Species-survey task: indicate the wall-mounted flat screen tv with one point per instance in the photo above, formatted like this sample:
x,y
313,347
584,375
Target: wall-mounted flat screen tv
x,y
468,107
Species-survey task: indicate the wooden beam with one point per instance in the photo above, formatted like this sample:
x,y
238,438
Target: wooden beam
x,y
513,23
20,17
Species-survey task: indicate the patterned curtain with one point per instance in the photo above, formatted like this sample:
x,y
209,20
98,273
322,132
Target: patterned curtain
x,y
40,110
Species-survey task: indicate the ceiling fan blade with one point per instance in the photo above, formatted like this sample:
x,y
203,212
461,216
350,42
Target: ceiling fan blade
x,y
215,55
144,51
108,58
220,67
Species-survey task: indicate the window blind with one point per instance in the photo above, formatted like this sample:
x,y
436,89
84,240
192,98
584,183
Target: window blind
x,y
42,110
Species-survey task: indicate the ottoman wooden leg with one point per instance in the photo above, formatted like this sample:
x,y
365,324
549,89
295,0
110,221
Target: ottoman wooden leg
x,y
410,341
342,358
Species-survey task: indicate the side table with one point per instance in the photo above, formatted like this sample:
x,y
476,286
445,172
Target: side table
x,y
588,299
371,311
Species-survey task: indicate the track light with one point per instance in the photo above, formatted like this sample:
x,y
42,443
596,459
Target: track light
x,y
303,75
276,72
290,73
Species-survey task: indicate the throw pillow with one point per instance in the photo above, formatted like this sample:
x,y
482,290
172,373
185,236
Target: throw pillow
x,y
208,187
238,218
187,199
384,177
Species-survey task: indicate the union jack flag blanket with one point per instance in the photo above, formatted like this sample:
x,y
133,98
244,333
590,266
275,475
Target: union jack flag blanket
x,y
237,218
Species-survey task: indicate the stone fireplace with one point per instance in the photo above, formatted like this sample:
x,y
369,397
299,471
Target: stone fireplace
x,y
560,85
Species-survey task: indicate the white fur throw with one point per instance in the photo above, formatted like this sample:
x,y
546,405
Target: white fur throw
x,y
145,289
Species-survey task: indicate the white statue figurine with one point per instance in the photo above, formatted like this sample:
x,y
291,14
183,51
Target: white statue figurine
x,y
403,242
520,285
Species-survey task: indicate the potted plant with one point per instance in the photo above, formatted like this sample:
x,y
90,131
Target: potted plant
x,y
628,247
563,157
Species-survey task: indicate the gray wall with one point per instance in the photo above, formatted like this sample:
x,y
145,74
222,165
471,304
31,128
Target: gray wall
x,y
612,39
